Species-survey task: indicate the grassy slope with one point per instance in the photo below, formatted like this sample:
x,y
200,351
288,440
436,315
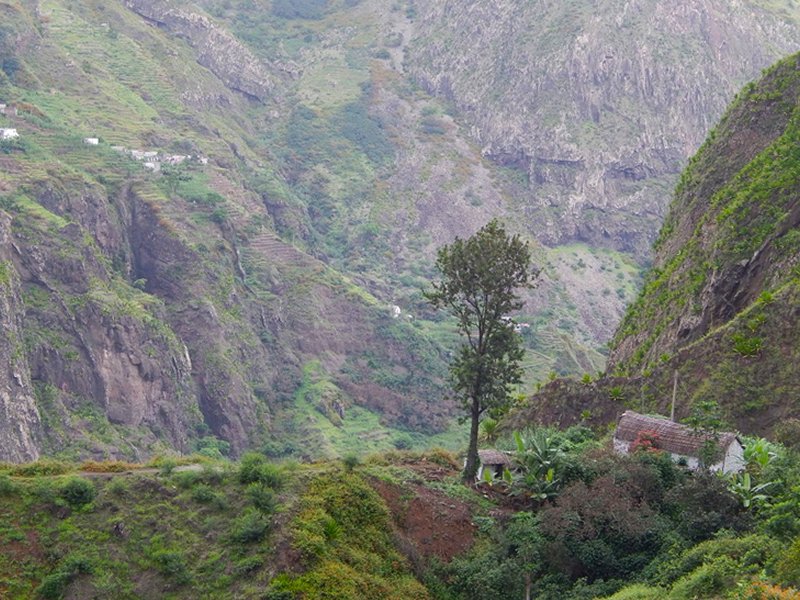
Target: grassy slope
x,y
202,533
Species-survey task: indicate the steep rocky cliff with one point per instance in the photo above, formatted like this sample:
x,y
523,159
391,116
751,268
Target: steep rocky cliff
x,y
730,242
599,104
155,308
21,433
238,261
216,49
719,316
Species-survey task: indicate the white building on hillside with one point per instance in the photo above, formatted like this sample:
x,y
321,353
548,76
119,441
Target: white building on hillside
x,y
8,134
682,442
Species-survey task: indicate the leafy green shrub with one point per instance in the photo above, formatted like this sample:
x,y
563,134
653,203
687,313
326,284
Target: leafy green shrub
x,y
212,447
54,584
638,592
7,486
350,461
708,580
41,467
77,491
118,486
702,506
254,468
186,479
249,528
787,570
277,592
746,346
167,466
203,493
248,565
403,442
172,564
262,497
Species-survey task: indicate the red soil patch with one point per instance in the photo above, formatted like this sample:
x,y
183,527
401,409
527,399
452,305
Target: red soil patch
x,y
428,523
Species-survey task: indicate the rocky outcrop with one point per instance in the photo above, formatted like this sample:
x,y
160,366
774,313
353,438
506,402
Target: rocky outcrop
x,y
731,234
719,316
599,104
21,430
217,50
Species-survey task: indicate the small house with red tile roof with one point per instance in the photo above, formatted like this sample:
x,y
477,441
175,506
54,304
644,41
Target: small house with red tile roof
x,y
682,442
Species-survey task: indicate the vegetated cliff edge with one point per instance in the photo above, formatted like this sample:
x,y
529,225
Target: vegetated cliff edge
x,y
146,311
253,290
721,306
598,103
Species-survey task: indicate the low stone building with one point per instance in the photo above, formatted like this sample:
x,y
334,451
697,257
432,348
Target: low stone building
x,y
8,134
683,443
91,141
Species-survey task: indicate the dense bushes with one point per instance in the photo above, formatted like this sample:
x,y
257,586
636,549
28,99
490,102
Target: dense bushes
x,y
343,532
254,468
77,492
638,527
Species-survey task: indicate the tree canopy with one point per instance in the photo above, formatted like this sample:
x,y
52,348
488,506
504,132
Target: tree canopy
x,y
480,277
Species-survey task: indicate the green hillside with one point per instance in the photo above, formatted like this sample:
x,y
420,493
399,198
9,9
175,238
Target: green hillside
x,y
717,319
403,526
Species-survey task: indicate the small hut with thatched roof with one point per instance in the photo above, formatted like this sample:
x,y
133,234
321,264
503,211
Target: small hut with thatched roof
x,y
493,460
682,442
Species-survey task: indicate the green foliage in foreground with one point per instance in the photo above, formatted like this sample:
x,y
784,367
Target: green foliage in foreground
x,y
637,527
614,527
343,533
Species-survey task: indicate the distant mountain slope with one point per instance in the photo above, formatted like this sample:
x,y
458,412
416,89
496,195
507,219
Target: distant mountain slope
x,y
599,104
266,292
150,310
720,310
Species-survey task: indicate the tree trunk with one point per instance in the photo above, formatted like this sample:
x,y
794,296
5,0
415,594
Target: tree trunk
x,y
528,586
471,468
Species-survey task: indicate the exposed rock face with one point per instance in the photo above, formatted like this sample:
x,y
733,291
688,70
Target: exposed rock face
x,y
599,103
85,343
720,310
216,49
20,433
731,233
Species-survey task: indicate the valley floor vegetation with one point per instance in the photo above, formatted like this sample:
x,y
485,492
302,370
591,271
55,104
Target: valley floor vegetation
x,y
572,520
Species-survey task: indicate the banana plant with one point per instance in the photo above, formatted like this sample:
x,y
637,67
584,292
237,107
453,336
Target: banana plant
x,y
750,495
538,459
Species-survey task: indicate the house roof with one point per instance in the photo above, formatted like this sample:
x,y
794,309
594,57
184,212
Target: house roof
x,y
493,457
672,437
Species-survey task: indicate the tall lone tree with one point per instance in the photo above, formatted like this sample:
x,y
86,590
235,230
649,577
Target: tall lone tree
x,y
480,277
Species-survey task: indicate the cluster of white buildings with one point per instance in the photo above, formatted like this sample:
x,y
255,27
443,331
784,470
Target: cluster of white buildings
x,y
152,160
518,327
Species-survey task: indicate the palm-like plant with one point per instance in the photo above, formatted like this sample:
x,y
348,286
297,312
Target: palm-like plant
x,y
538,460
489,430
750,495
